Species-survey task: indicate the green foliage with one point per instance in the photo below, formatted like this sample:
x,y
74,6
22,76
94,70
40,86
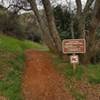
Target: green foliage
x,y
29,25
63,21
93,74
20,26
3,19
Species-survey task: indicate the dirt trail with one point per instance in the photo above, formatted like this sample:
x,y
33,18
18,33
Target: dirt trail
x,y
40,80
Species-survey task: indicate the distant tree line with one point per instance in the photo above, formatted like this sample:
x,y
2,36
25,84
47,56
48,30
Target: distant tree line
x,y
21,26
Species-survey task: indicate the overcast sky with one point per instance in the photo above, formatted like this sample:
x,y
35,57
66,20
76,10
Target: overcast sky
x,y
63,2
73,4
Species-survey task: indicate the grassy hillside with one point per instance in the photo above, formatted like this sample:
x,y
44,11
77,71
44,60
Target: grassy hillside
x,y
11,65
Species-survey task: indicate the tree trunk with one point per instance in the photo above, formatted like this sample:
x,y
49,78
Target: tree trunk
x,y
90,39
45,32
91,34
49,32
52,26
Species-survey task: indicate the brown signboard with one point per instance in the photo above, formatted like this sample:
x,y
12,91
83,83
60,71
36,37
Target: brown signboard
x,y
74,46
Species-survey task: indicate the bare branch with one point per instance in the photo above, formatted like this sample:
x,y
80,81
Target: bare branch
x,y
79,7
20,7
88,5
95,22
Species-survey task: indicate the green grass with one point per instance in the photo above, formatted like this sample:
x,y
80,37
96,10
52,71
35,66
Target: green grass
x,y
14,45
12,64
91,72
89,75
10,85
78,95
67,69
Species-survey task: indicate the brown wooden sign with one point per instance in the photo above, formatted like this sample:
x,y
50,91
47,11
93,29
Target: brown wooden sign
x,y
74,46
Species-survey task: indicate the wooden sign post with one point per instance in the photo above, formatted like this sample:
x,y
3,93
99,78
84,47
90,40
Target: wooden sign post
x,y
73,46
74,59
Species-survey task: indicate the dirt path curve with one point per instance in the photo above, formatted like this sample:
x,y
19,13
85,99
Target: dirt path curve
x,y
40,80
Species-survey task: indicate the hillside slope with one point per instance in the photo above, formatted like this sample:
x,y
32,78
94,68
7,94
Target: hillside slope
x,y
11,65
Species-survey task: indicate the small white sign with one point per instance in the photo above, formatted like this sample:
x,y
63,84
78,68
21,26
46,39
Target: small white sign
x,y
74,59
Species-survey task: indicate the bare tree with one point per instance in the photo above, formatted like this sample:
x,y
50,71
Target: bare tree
x,y
90,35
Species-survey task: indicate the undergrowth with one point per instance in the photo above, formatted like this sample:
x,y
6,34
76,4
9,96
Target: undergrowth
x,y
88,76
